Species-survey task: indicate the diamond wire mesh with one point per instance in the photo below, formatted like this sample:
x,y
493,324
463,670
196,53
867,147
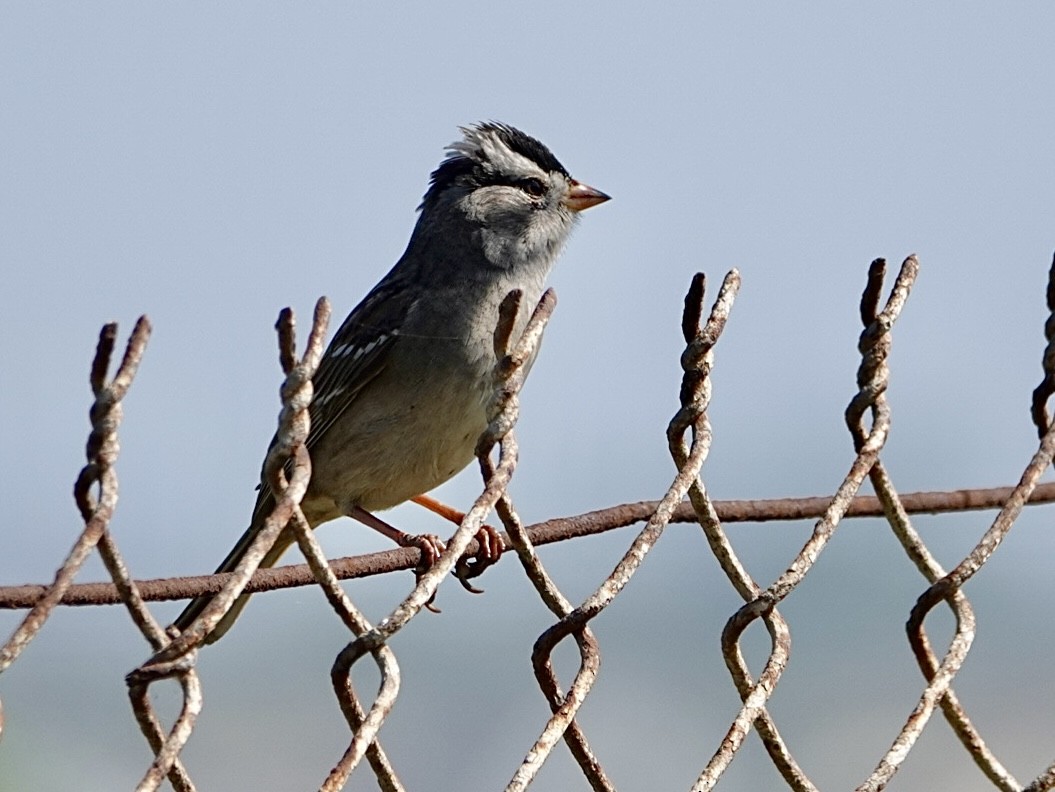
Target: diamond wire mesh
x,y
689,438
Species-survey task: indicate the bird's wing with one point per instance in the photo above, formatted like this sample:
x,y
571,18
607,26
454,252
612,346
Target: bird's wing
x,y
355,356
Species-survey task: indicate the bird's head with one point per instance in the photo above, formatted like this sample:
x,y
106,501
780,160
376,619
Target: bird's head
x,y
519,202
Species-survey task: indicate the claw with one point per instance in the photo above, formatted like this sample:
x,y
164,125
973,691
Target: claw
x,y
431,548
430,607
489,551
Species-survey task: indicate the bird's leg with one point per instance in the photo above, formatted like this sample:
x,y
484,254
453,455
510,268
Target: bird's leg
x,y
429,544
439,507
488,539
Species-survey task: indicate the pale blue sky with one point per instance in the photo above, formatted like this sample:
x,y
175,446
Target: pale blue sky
x,y
208,165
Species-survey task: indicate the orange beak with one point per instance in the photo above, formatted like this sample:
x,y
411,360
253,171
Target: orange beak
x,y
583,196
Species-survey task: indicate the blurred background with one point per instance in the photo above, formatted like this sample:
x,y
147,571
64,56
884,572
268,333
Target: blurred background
x,y
208,165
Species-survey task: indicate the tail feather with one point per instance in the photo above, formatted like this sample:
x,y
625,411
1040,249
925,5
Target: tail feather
x,y
198,604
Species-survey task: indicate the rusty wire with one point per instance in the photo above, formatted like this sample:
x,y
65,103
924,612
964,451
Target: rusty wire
x,y
177,657
573,622
695,396
948,587
553,530
509,375
102,449
761,604
868,418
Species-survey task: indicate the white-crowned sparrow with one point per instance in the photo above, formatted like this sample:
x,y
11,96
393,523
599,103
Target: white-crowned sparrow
x,y
400,394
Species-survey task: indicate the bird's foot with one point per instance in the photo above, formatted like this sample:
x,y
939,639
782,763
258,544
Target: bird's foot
x,y
431,548
488,552
488,538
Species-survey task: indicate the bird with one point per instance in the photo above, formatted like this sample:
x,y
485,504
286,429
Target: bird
x,y
400,395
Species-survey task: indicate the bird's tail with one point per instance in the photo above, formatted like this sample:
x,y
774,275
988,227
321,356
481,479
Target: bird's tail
x,y
198,604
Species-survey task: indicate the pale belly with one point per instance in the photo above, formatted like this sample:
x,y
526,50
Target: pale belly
x,y
391,451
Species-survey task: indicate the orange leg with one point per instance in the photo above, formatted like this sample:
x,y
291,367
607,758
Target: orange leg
x,y
440,508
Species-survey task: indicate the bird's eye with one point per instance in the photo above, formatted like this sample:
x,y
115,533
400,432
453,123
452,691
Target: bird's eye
x,y
533,187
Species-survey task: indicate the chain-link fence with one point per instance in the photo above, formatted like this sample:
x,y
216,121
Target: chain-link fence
x,y
288,467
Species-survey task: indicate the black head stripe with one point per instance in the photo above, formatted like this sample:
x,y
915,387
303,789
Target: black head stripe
x,y
463,166
526,146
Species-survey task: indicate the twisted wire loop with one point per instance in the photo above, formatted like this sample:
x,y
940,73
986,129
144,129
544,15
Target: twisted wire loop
x,y
562,723
574,622
697,362
872,381
510,370
1041,395
947,587
176,654
101,450
506,401
96,509
938,689
1046,388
